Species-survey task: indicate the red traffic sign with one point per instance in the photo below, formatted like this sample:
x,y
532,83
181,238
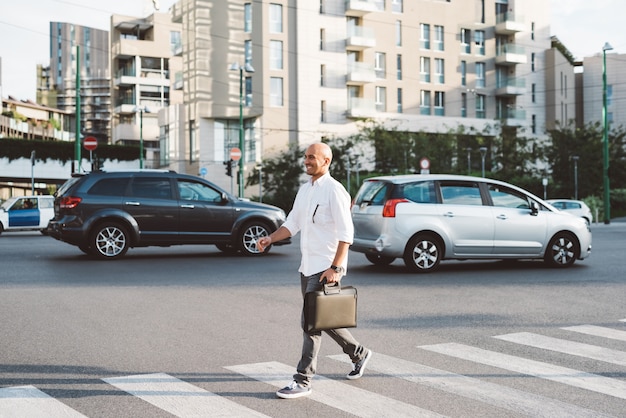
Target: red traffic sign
x,y
90,143
235,154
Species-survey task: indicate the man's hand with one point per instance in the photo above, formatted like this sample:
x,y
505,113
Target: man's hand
x,y
331,276
262,243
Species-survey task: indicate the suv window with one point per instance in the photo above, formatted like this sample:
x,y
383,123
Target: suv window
x,y
109,187
190,190
151,187
504,197
422,192
461,193
373,192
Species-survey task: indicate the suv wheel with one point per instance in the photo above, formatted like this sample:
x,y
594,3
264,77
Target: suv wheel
x,y
423,253
250,233
562,250
379,260
109,240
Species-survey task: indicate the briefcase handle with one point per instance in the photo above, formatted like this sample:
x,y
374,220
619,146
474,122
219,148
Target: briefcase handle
x,y
332,289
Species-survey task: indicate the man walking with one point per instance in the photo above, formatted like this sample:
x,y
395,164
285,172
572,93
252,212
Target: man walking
x,y
321,212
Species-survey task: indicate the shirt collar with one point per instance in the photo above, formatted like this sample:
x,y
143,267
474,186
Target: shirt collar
x,y
320,180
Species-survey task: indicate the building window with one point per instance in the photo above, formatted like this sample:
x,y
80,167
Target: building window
x,y
533,124
322,75
396,6
379,65
276,55
533,88
322,39
463,73
532,31
439,71
247,46
399,67
381,99
424,36
480,106
438,42
439,103
466,36
425,69
276,92
424,102
480,75
532,62
398,33
463,105
323,111
248,93
479,40
399,101
276,18
247,17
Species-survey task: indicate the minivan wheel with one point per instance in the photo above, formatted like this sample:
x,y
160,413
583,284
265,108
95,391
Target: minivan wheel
x,y
250,233
109,240
423,253
379,260
562,250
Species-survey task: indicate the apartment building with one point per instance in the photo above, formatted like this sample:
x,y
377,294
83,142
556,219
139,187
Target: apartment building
x,y
145,61
593,86
73,46
308,70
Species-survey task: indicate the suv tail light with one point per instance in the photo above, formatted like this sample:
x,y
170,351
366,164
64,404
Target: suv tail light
x,y
69,202
389,210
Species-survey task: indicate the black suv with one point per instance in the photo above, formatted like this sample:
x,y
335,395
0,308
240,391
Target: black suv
x,y
105,213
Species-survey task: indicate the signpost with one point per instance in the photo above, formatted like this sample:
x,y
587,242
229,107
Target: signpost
x,y
235,154
90,143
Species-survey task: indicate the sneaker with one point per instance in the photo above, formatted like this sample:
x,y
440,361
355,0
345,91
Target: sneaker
x,y
294,390
358,368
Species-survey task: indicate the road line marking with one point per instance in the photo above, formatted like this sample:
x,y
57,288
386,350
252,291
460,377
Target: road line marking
x,y
596,331
486,392
576,378
179,398
28,401
573,348
338,395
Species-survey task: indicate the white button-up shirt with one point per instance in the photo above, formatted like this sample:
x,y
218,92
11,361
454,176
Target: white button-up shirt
x,y
321,211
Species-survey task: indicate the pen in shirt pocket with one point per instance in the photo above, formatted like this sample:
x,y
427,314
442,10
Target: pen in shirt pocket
x,y
314,212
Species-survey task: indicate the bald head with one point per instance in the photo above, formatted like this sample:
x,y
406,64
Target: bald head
x,y
317,159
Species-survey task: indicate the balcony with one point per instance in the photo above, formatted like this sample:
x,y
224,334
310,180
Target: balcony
x,y
361,73
511,87
510,54
514,117
360,7
359,107
360,38
509,24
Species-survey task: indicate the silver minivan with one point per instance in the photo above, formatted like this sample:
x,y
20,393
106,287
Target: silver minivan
x,y
425,219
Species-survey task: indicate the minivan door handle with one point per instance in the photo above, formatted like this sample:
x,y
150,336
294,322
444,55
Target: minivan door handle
x,y
449,214
132,203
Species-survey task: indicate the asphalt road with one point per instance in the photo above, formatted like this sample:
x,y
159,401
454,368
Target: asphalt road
x,y
226,328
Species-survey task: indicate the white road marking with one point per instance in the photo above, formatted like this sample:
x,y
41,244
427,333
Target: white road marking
x,y
576,378
338,395
28,401
573,348
180,398
597,331
489,393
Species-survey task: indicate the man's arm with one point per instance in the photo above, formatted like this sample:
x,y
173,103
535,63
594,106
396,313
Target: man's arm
x,y
278,235
331,275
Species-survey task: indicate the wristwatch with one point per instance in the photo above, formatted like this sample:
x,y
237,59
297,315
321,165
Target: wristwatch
x,y
338,269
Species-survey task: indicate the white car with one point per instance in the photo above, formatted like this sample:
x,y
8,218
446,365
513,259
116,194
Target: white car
x,y
425,219
25,213
575,207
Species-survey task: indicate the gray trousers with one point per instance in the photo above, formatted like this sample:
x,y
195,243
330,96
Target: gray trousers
x,y
312,341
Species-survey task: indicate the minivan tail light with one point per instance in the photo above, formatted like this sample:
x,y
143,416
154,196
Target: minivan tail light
x,y
389,210
69,202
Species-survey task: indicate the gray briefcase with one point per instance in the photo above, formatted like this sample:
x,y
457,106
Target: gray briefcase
x,y
331,308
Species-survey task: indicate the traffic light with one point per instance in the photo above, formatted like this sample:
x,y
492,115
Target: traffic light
x,y
229,167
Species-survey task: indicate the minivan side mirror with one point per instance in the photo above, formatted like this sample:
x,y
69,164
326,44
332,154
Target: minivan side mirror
x,y
534,208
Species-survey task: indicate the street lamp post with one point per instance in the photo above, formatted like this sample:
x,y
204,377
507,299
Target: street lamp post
x,y
141,110
247,68
605,139
483,154
575,158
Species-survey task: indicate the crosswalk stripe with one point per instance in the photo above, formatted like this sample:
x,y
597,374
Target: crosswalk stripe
x,y
576,378
573,348
28,401
597,331
179,398
490,393
338,395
